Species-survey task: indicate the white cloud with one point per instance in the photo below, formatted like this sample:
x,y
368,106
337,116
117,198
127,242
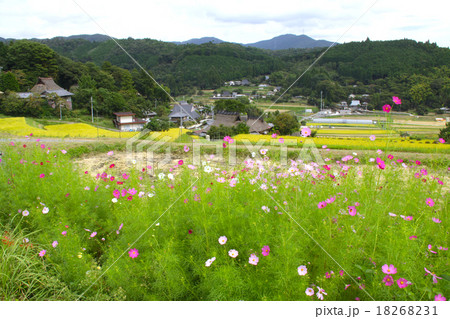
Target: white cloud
x,y
231,20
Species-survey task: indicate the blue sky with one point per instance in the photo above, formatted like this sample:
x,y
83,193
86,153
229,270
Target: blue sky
x,y
243,21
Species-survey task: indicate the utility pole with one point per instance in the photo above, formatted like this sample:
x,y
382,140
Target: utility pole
x,y
92,111
321,104
60,112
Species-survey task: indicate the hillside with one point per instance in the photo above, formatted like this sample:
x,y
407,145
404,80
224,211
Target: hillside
x,y
290,41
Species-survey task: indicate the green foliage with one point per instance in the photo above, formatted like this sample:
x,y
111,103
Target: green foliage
x,y
445,133
159,125
286,123
8,82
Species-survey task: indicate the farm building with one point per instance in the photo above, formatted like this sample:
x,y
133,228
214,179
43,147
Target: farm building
x,y
47,86
183,111
342,121
230,119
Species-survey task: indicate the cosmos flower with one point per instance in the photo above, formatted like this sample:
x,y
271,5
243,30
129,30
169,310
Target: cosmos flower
x,y
352,210
186,148
306,131
390,270
223,240
372,137
42,253
302,270
435,277
25,213
45,210
440,298
210,261
388,280
387,108
436,220
265,250
253,260
430,202
322,205
402,283
396,100
233,253
133,253
54,244
309,291
441,140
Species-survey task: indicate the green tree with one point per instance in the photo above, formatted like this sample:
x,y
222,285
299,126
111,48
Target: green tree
x,y
8,82
286,123
445,133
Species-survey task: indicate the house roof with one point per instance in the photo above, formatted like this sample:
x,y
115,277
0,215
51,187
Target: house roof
x,y
184,109
60,92
257,125
24,95
119,114
230,119
45,84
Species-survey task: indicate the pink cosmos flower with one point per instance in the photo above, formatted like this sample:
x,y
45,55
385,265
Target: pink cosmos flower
x,y
265,250
440,298
226,138
63,151
402,283
413,237
186,148
327,275
352,210
390,156
431,251
233,253
274,135
341,273
437,220
346,286
180,162
110,153
390,270
396,100
281,140
210,261
388,280
64,233
387,108
133,253
93,234
306,131
45,210
42,175
441,140
25,213
42,253
253,260
430,202
372,137
435,278
322,205
54,244
380,163
309,291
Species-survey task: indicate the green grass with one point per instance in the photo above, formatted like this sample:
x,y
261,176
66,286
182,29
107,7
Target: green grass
x,y
176,229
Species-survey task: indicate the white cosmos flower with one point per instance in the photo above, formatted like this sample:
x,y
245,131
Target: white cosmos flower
x,y
223,240
253,154
208,169
319,295
114,200
151,195
302,270
45,210
210,261
161,176
170,176
25,213
233,253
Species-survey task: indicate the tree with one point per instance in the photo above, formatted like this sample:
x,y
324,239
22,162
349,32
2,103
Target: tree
x,y
159,125
286,123
445,133
8,82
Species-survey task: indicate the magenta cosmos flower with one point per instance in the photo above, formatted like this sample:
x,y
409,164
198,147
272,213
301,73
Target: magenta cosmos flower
x,y
322,204
440,298
402,283
430,202
380,163
352,210
133,253
396,100
441,140
387,108
388,280
390,270
265,250
42,253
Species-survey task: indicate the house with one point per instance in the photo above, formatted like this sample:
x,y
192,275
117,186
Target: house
x,y
351,96
46,86
343,104
126,121
148,115
355,103
230,119
226,94
183,112
277,89
245,82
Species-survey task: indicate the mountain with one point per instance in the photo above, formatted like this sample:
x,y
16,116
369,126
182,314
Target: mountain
x,y
200,41
89,37
290,41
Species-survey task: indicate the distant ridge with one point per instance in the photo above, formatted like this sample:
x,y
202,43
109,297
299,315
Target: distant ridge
x,y
200,41
290,41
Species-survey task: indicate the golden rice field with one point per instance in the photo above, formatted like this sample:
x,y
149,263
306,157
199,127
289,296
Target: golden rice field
x,y
353,143
18,126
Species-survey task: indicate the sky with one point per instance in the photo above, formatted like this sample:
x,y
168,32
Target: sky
x,y
241,21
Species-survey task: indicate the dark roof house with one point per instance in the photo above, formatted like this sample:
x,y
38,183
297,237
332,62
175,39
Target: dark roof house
x,y
46,86
183,111
229,119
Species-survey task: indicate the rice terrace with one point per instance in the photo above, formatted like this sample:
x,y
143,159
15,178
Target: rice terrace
x,y
289,169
